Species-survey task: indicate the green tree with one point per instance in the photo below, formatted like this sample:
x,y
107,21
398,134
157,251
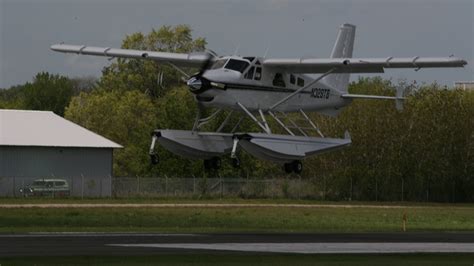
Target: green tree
x,y
48,92
144,75
424,152
12,98
126,118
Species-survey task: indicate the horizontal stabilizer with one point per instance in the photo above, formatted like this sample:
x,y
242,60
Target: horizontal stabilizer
x,y
375,97
347,135
398,99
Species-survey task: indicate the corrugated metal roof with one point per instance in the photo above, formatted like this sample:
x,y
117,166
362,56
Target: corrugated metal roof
x,y
44,128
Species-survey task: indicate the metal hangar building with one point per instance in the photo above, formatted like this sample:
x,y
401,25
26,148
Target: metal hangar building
x,y
40,144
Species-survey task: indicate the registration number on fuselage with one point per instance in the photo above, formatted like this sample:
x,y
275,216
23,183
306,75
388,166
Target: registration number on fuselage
x,y
320,93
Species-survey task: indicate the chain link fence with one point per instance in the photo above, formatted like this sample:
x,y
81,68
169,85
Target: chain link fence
x,y
318,188
123,187
83,187
215,187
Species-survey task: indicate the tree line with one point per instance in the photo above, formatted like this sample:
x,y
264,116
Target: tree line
x,y
424,152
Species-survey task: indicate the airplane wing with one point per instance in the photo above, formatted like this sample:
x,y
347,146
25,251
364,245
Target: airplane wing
x,y
178,59
359,65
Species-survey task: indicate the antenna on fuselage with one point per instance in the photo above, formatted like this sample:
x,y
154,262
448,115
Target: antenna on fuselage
x,y
266,52
236,49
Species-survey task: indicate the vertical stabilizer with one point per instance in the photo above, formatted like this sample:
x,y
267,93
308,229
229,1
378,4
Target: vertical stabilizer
x,y
342,49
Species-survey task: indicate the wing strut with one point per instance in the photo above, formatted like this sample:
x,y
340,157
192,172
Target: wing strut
x,y
311,123
302,88
186,75
226,120
281,123
263,126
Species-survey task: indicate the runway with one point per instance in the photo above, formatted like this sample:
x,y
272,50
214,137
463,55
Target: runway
x,y
125,244
207,205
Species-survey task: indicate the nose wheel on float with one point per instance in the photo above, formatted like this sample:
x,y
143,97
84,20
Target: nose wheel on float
x,y
295,166
154,159
236,162
214,163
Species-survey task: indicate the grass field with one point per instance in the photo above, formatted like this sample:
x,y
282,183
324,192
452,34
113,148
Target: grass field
x,y
251,259
223,200
436,217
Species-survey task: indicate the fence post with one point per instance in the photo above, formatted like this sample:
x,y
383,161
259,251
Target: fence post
x,y
53,191
194,185
247,181
324,188
222,186
272,187
299,187
350,192
454,191
403,181
112,189
166,185
71,190
14,185
138,185
82,186
376,189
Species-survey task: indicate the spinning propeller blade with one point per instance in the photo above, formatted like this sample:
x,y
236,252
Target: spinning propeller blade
x,y
207,64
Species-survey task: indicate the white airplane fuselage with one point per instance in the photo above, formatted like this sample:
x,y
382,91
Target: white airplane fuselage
x,y
260,91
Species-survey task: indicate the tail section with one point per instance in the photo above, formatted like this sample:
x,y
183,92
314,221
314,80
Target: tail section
x,y
342,49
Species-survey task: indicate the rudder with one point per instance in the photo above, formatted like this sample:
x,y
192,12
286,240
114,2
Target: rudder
x,y
342,49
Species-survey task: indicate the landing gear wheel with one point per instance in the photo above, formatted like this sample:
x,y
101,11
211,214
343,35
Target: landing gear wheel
x,y
297,167
288,167
154,159
235,162
216,163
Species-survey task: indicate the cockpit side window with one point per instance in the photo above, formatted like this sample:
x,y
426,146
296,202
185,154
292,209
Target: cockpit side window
x,y
237,65
219,64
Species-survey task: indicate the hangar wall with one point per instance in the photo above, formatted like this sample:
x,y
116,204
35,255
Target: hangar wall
x,y
87,170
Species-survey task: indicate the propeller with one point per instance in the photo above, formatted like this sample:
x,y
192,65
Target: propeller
x,y
197,83
206,65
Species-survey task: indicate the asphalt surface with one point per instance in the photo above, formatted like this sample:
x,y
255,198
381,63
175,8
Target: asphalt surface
x,y
125,244
210,205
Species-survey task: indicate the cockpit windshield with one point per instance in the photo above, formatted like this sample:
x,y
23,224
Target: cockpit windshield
x,y
219,64
237,65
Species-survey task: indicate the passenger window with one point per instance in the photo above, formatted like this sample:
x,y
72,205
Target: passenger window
x,y
300,82
249,74
258,73
278,80
292,79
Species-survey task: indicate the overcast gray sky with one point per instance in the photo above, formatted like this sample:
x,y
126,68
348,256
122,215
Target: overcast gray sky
x,y
287,28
